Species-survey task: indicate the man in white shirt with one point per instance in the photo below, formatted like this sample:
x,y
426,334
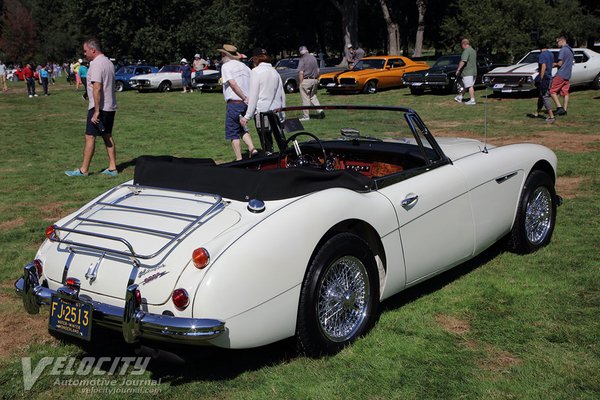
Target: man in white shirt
x,y
3,74
101,109
266,94
236,81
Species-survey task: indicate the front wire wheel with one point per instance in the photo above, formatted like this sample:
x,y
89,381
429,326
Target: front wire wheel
x,y
339,299
536,214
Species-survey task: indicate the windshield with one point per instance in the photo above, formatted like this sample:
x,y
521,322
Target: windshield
x,y
533,56
447,60
125,71
170,68
287,63
376,63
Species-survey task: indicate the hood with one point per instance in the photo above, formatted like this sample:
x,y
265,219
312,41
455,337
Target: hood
x,y
524,69
447,69
169,243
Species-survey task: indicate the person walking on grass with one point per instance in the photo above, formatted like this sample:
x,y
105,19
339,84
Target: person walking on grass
x,y
560,83
101,110
467,68
542,81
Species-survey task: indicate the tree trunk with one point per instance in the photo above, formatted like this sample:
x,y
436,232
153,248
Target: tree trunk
x,y
393,39
349,11
422,7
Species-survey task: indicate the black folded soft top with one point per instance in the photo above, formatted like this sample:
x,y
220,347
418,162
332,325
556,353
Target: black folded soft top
x,y
203,175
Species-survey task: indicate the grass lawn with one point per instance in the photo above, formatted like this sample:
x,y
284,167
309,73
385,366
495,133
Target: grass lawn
x,y
499,327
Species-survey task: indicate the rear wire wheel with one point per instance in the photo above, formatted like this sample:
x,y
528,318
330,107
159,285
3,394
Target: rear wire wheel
x,y
339,299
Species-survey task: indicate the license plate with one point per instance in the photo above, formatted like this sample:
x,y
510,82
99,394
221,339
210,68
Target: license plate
x,y
71,317
498,85
417,83
330,84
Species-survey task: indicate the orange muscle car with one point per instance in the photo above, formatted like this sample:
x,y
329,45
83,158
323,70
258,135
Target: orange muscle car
x,y
371,74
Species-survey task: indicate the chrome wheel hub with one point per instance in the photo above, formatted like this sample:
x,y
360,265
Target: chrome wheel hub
x,y
343,298
538,215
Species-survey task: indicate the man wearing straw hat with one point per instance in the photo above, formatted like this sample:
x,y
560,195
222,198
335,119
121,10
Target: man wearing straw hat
x,y
236,84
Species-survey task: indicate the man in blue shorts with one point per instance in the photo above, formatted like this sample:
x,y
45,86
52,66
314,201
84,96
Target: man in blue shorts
x,y
101,110
542,81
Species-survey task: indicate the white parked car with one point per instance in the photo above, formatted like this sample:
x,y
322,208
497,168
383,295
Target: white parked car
x,y
305,242
167,79
521,76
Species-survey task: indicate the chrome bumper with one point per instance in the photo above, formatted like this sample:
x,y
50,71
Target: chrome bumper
x,y
134,322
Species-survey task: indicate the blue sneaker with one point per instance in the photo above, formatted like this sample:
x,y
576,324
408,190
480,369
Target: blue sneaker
x,y
75,172
109,172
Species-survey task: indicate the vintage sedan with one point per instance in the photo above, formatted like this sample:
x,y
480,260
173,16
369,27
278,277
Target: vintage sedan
x,y
288,70
126,72
165,80
303,243
371,74
441,77
521,76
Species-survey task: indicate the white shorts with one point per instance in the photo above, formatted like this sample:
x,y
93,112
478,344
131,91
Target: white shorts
x,y
468,81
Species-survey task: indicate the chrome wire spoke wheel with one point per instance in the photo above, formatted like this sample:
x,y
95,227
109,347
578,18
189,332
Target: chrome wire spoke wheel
x,y
343,299
538,215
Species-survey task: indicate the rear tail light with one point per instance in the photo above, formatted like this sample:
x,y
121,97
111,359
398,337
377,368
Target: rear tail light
x,y
200,257
180,298
73,283
39,266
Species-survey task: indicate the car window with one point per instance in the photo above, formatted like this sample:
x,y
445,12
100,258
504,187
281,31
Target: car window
x,y
580,57
287,63
447,60
370,63
396,63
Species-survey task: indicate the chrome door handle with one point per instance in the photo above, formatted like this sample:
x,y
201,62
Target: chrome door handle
x,y
409,201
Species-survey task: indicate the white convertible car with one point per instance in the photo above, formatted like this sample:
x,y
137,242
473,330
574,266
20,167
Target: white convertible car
x,y
305,242
521,77
165,80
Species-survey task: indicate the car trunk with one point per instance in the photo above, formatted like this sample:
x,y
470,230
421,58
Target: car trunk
x,y
102,244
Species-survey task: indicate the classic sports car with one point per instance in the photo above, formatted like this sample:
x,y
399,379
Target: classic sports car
x,y
442,75
125,73
304,243
371,74
165,80
521,77
208,80
288,70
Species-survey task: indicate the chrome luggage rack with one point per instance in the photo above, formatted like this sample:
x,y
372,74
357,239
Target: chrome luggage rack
x,y
135,190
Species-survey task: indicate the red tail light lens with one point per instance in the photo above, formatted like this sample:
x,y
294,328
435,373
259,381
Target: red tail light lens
x,y
200,257
138,297
50,232
38,266
180,298
73,283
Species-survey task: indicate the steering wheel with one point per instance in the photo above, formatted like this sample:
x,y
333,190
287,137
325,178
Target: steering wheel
x,y
301,160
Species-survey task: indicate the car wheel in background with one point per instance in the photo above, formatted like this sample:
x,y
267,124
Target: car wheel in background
x,y
536,214
416,91
339,299
596,82
119,86
164,86
290,86
370,87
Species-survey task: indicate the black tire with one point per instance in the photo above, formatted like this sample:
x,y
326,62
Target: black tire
x,y
596,82
353,297
370,87
536,215
119,86
416,91
164,86
290,86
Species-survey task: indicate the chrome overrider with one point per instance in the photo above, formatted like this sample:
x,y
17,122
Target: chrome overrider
x,y
134,322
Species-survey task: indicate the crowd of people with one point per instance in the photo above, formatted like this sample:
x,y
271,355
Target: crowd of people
x,y
250,92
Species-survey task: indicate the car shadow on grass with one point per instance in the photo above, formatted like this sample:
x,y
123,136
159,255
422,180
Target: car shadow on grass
x,y
177,365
